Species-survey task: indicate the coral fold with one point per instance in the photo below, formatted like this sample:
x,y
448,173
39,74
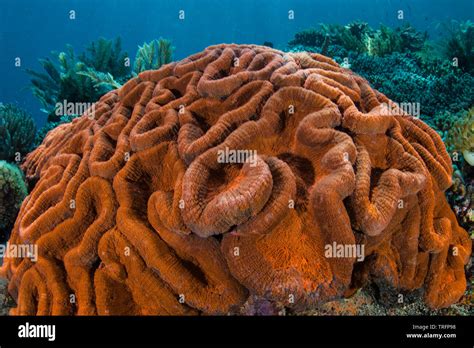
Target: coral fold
x,y
231,174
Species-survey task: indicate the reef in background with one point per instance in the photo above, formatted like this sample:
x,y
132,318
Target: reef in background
x,y
409,69
12,193
85,77
17,133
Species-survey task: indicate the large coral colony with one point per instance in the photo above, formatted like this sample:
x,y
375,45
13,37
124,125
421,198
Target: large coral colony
x,y
243,179
134,213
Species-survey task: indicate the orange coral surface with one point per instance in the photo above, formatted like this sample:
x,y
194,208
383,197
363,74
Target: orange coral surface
x,y
143,205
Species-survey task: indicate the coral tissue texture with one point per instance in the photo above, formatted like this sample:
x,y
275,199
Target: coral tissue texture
x,y
137,211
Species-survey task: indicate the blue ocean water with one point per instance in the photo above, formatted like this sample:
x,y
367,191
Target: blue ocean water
x,y
31,29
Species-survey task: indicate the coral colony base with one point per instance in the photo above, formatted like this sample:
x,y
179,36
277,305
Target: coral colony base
x,y
136,209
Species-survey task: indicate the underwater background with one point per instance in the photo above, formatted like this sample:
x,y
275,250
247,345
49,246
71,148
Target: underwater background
x,y
412,51
31,29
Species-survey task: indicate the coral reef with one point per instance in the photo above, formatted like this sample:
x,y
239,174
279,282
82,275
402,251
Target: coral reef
x,y
17,133
85,77
62,82
459,44
106,56
421,71
402,39
222,180
443,121
101,79
460,136
12,193
359,37
352,37
447,90
461,198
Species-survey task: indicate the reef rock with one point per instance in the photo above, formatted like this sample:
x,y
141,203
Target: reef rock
x,y
238,172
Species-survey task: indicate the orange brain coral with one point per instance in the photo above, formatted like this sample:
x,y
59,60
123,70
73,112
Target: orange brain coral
x,y
135,212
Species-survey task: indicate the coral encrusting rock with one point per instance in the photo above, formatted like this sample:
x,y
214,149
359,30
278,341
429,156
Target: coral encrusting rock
x,y
136,211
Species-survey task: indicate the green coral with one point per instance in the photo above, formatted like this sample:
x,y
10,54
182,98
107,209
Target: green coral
x,y
309,37
431,60
384,41
443,121
153,55
268,44
62,81
460,136
354,36
401,39
412,40
106,56
101,79
12,193
359,37
351,36
457,41
85,77
17,132
444,89
460,44
70,77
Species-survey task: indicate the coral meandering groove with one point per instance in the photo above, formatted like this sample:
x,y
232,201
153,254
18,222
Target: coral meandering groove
x,y
133,213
